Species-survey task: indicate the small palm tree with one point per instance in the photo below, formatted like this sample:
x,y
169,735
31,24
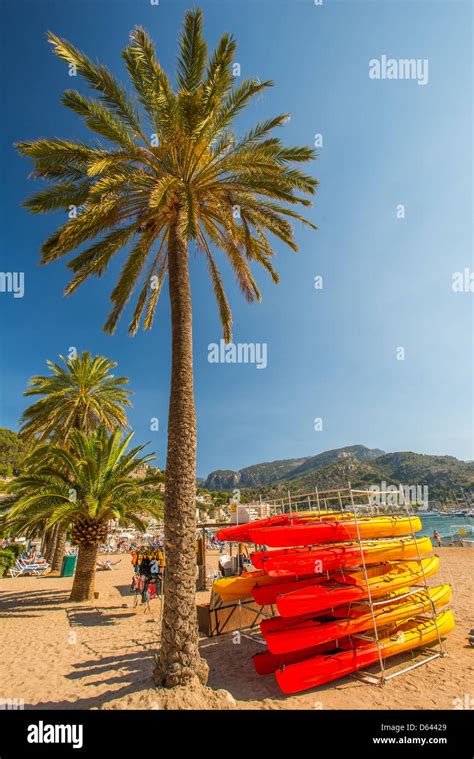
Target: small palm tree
x,y
81,395
85,486
170,172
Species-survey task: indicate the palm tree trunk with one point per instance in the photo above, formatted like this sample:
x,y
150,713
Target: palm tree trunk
x,y
60,549
51,544
84,578
179,661
45,544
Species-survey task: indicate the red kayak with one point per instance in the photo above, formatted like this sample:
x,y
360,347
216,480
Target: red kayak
x,y
317,559
266,663
317,670
240,533
352,586
302,534
268,594
317,599
356,653
305,561
277,624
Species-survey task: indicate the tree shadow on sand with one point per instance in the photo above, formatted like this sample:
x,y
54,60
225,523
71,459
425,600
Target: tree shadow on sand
x,y
24,602
133,670
231,668
87,616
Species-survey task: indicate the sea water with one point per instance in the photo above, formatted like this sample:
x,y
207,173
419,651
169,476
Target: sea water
x,y
450,527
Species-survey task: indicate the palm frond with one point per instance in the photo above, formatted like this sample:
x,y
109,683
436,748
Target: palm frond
x,y
193,53
190,172
100,79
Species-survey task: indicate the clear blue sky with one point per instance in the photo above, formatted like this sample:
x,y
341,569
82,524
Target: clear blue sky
x,y
387,282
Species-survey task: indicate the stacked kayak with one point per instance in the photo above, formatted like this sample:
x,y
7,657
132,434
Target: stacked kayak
x,y
335,584
318,665
284,635
306,560
309,529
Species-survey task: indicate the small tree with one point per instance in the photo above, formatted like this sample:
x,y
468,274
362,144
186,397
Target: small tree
x,y
79,395
85,486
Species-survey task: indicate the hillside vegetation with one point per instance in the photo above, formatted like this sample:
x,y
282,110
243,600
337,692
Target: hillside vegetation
x,y
445,476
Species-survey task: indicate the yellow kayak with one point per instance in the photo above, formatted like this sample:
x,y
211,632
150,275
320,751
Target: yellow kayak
x,y
326,558
316,531
286,634
354,653
348,587
240,588
394,575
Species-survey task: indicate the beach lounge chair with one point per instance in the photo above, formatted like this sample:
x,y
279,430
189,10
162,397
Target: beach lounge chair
x,y
102,566
28,568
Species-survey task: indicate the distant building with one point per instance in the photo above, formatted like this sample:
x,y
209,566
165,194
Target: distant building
x,y
140,472
259,510
204,498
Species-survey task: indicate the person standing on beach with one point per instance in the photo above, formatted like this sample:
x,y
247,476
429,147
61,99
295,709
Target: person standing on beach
x,y
437,537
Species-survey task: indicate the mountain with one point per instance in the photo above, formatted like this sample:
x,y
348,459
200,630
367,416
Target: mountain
x,y
321,460
271,472
360,474
445,476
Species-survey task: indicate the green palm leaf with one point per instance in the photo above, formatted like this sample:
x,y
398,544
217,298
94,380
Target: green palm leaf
x,y
192,164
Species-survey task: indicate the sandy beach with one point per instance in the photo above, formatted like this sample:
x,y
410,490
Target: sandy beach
x,y
60,655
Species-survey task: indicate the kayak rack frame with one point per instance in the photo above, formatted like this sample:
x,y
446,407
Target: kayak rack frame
x,y
342,499
381,677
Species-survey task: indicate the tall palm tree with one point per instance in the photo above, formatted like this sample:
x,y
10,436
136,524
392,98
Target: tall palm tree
x,y
171,174
82,394
85,486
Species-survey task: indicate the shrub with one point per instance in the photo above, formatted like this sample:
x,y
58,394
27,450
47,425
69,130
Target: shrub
x,y
8,558
15,548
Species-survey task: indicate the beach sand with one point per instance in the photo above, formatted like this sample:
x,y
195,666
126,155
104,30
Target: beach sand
x,y
75,656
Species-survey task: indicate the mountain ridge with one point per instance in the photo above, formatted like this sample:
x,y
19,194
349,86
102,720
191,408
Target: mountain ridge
x,y
445,476
267,472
